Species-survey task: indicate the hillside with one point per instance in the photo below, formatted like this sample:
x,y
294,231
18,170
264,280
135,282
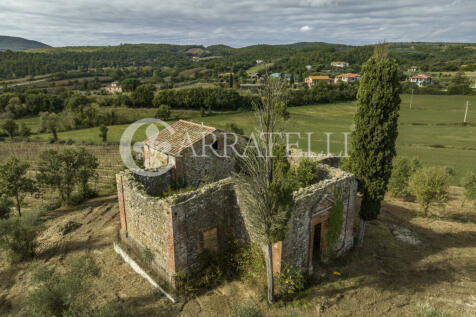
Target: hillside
x,y
18,43
407,260
292,58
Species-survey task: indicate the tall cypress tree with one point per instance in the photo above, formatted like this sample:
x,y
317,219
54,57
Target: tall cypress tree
x,y
376,130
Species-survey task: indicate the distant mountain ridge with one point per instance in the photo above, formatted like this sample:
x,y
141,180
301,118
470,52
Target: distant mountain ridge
x,y
18,44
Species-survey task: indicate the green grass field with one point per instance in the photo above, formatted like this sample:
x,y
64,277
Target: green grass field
x,y
431,130
259,68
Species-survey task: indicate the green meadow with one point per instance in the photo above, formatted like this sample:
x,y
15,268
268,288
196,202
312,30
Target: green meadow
x,y
430,130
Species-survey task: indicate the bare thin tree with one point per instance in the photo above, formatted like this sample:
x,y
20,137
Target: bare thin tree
x,y
266,215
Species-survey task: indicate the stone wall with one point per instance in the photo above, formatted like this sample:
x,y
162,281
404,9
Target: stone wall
x,y
172,228
297,155
176,229
199,164
156,159
212,206
147,220
153,185
310,201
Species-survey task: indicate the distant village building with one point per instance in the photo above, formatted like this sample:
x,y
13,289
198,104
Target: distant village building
x,y
340,64
413,69
420,79
195,58
308,67
311,80
114,87
284,76
226,74
259,61
347,78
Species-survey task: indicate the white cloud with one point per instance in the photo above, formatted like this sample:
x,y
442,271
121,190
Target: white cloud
x,y
237,23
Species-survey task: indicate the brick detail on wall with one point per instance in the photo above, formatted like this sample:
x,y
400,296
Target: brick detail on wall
x,y
120,196
169,230
277,255
146,156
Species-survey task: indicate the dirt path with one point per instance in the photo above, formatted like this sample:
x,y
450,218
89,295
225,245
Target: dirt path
x,y
406,260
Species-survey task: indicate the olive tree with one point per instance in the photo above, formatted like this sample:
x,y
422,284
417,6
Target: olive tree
x,y
10,127
13,181
67,170
430,185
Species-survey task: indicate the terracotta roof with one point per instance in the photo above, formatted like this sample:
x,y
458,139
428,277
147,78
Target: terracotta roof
x,y
421,76
178,136
319,77
348,75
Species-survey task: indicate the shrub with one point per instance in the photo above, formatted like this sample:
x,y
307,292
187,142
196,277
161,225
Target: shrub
x,y
215,268
5,205
403,169
51,204
24,131
426,310
430,185
291,281
64,295
345,164
17,237
10,127
469,184
163,113
147,256
209,273
248,309
306,172
103,133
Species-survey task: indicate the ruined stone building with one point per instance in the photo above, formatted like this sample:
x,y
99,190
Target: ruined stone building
x,y
176,229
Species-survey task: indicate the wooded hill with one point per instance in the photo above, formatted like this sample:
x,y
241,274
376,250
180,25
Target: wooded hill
x,y
221,58
18,44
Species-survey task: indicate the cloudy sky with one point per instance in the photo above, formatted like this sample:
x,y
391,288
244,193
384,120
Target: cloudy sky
x,y
237,22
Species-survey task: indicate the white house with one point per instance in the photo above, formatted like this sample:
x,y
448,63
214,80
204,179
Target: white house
x,y
413,69
311,80
340,64
420,79
114,87
347,78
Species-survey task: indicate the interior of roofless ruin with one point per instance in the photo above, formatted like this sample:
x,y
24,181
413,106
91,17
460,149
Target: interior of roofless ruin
x,y
190,204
